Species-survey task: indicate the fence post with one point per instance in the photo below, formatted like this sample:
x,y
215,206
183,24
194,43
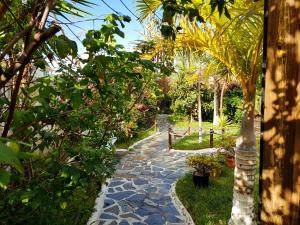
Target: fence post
x,y
211,138
170,138
155,124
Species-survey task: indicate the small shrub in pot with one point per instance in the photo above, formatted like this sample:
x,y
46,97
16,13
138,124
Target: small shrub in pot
x,y
203,166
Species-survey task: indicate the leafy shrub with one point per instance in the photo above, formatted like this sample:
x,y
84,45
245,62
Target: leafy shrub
x,y
238,116
66,123
233,100
223,122
228,148
203,164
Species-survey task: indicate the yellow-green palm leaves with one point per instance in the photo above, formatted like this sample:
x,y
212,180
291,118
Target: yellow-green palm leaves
x,y
147,8
235,42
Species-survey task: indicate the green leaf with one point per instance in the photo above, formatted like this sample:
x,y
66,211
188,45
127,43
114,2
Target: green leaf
x,y
226,13
221,7
76,99
4,178
119,32
40,64
64,47
9,157
13,146
213,4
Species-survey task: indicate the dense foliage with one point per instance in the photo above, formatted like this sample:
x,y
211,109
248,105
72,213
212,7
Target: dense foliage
x,y
184,101
58,150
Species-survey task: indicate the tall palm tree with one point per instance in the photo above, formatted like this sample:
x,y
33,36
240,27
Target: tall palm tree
x,y
240,50
237,43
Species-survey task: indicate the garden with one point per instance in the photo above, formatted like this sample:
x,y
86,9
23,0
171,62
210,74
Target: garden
x,y
106,106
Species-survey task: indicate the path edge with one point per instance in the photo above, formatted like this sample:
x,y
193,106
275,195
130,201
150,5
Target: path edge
x,y
179,206
205,151
145,139
99,201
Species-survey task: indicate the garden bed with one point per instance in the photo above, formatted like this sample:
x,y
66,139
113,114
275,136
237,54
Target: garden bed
x,y
212,205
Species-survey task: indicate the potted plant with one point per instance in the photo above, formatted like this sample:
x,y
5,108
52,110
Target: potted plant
x,y
216,169
228,151
202,165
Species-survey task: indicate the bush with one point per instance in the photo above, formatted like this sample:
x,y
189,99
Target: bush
x,y
233,100
203,164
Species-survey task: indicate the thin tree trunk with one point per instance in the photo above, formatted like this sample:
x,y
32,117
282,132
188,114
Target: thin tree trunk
x,y
13,103
4,7
222,98
199,114
216,104
245,159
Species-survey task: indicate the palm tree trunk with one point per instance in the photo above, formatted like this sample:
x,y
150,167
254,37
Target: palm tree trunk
x,y
216,104
222,98
245,159
199,114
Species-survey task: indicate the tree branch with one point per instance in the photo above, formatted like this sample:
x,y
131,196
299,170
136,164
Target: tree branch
x,y
38,40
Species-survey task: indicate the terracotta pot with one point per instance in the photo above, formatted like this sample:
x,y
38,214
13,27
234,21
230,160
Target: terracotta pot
x,y
230,162
200,181
216,172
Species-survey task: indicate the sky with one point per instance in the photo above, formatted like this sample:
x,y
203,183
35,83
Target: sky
x,y
133,30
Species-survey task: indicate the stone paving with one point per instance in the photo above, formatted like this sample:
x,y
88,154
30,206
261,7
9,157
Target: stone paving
x,y
139,192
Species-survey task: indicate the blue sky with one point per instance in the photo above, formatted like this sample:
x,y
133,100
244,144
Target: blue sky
x,y
133,30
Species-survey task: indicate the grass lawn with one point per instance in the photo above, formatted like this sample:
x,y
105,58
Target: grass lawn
x,y
205,125
212,205
191,142
141,135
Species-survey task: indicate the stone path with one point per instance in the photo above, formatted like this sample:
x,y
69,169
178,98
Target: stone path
x,y
139,192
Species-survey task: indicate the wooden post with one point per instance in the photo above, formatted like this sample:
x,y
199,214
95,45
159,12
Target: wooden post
x,y
155,124
280,146
211,138
170,138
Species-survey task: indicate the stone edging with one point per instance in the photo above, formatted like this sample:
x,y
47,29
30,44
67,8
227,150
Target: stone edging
x,y
138,142
205,151
99,202
180,207
145,139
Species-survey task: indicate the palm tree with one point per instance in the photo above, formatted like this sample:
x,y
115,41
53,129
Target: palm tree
x,y
236,43
240,50
216,74
191,64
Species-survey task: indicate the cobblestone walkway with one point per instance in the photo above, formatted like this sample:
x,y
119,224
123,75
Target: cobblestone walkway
x,y
139,192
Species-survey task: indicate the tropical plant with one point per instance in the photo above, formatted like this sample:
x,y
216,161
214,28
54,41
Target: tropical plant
x,y
223,123
238,44
69,120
